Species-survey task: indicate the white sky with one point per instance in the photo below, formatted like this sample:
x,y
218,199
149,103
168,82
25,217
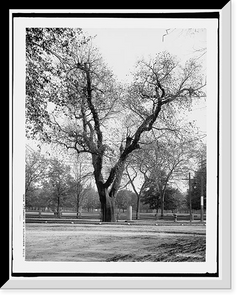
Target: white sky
x,y
121,47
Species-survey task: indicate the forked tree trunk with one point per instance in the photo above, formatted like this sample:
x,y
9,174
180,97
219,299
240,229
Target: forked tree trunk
x,y
108,191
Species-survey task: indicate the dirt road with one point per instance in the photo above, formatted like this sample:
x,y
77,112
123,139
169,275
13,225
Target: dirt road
x,y
93,243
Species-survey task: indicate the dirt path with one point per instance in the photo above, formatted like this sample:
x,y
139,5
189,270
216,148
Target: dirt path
x,y
93,243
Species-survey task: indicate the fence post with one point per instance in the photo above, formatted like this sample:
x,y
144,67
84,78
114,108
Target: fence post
x,y
129,213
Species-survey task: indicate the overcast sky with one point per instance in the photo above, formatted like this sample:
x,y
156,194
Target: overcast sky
x,y
121,47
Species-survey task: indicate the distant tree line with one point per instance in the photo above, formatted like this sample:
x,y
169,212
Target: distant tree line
x,y
51,183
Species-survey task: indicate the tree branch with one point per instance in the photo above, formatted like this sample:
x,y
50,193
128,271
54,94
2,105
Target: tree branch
x,y
92,108
131,181
132,144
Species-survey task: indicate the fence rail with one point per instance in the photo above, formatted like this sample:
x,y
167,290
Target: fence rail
x,y
120,215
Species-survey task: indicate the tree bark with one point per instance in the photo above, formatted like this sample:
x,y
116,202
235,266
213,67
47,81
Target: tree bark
x,y
79,212
162,204
107,206
107,195
138,207
58,207
138,199
136,193
162,201
78,206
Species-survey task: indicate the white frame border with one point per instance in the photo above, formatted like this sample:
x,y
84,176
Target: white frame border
x,y
223,281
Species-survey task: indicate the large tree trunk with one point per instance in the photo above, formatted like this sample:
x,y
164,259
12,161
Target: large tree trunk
x,y
107,206
107,191
107,195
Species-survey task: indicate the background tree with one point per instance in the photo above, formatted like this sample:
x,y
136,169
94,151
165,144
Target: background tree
x,y
151,196
38,198
151,191
173,199
78,189
72,98
174,161
35,170
91,199
170,149
168,159
138,169
125,198
58,184
200,175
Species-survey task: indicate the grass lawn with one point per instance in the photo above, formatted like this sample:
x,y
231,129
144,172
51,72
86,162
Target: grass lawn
x,y
115,242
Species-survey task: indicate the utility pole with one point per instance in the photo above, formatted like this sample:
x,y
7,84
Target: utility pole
x,y
190,196
202,184
202,198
